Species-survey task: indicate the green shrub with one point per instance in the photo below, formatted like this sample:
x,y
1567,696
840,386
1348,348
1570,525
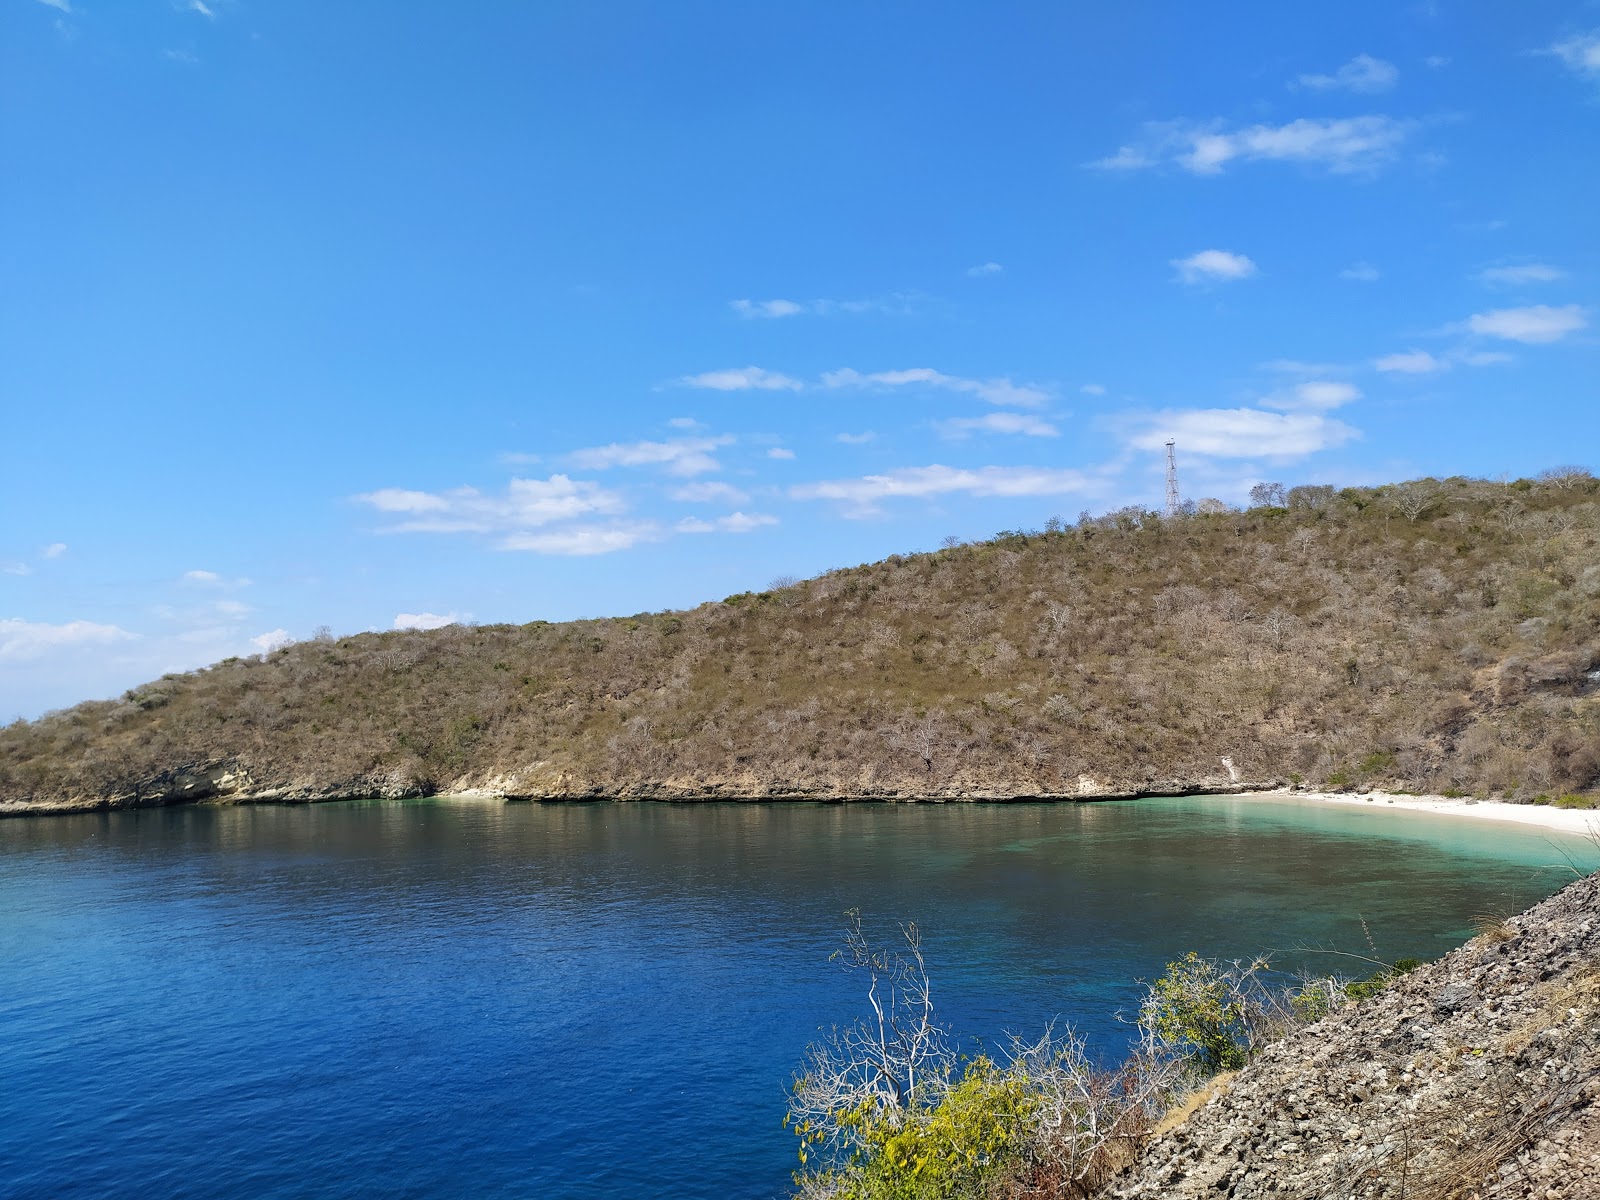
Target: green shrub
x,y
1195,1007
1571,800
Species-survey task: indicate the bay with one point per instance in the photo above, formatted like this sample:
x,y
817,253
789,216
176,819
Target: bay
x,y
450,997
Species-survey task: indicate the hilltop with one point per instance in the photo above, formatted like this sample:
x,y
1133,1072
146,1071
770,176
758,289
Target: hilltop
x,y
1436,636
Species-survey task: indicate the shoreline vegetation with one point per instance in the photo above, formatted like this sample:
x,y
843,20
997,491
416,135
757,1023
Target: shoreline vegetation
x,y
1477,1075
1439,636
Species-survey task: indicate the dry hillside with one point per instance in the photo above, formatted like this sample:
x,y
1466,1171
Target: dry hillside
x,y
1439,635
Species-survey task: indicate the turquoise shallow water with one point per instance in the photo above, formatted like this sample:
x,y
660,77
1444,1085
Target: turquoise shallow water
x,y
441,998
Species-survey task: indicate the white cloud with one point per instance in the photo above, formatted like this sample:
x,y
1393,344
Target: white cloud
x,y
21,640
58,5
182,56
17,568
1361,272
1242,432
1000,422
424,620
767,308
1093,389
1525,273
273,639
53,550
582,540
1535,323
207,578
527,503
1212,266
233,608
780,452
855,439
1411,362
681,456
1316,395
982,269
737,522
1363,73
685,423
994,391
1581,52
709,493
741,379
1294,366
1437,60
861,496
1421,362
1343,146
198,6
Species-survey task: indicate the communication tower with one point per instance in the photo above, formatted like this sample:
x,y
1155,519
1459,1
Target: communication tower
x,y
1172,480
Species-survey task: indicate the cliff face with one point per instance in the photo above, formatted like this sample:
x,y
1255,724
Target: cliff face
x,y
1430,636
1475,1076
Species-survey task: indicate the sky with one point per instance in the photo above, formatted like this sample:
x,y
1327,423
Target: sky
x,y
385,315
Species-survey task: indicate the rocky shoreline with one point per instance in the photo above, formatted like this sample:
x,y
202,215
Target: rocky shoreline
x,y
1474,1076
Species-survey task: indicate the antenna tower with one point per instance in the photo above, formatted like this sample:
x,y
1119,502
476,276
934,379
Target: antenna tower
x,y
1172,480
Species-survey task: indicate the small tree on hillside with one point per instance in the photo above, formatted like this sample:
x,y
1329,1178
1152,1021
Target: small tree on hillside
x,y
1268,495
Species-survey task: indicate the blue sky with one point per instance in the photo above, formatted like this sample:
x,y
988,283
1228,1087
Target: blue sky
x,y
364,314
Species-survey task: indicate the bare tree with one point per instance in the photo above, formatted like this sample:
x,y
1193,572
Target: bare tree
x,y
885,1063
1267,495
1567,477
950,542
1414,500
923,736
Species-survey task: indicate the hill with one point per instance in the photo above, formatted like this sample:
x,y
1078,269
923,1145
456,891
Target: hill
x,y
1436,635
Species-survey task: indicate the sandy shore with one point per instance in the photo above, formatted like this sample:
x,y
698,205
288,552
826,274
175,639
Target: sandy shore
x,y
1567,820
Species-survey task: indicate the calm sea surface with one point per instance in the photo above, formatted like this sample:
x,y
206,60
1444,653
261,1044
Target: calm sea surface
x,y
452,998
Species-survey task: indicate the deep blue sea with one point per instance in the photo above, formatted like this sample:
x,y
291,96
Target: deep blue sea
x,y
464,998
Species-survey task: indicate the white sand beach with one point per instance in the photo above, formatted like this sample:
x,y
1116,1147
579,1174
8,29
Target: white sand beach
x,y
1568,820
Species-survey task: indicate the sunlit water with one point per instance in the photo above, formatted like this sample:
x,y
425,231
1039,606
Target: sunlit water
x,y
450,998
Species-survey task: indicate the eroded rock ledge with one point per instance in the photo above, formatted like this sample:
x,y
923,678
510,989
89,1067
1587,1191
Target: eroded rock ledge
x,y
1475,1076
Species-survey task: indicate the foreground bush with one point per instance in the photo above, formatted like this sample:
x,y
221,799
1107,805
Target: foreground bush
x,y
887,1109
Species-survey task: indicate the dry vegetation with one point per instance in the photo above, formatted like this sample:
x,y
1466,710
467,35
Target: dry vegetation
x,y
1438,635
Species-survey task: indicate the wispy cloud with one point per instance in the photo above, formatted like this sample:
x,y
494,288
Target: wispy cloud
x,y
1363,73
1520,274
1536,323
861,497
680,456
425,620
855,439
53,550
735,522
1093,389
16,568
1240,432
993,391
742,379
895,304
709,492
21,640
1581,52
1316,395
780,452
767,308
527,503
59,5
1361,272
1343,146
1025,424
1213,266
1411,362
1423,362
982,269
198,6
581,541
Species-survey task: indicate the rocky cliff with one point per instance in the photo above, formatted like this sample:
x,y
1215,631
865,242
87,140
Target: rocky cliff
x,y
1475,1076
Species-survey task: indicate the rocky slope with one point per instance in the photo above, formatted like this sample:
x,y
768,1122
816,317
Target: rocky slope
x,y
1475,1076
1437,636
